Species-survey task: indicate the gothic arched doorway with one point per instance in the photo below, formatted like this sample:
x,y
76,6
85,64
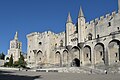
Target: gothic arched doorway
x,y
87,55
76,62
99,53
65,58
57,59
114,51
39,58
75,56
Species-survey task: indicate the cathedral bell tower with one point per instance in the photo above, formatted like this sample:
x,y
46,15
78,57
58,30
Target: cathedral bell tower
x,y
81,26
15,48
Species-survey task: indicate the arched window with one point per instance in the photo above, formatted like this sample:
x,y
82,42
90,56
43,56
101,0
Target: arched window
x,y
61,43
89,36
7,58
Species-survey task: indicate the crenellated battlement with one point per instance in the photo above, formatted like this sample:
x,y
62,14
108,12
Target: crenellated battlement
x,y
87,23
32,34
91,22
62,33
97,19
107,16
102,18
113,13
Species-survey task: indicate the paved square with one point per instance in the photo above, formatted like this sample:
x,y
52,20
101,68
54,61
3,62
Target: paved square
x,y
28,75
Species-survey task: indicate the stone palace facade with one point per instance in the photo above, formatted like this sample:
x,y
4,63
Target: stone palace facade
x,y
82,44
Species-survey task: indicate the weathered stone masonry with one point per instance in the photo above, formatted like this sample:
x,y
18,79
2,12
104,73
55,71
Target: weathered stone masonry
x,y
85,44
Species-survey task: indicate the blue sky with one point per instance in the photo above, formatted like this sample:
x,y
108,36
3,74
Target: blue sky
x,y
26,16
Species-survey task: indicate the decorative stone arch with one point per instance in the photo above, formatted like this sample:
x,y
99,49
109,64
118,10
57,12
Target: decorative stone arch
x,y
7,58
58,59
87,55
39,57
99,54
75,56
39,51
114,51
65,58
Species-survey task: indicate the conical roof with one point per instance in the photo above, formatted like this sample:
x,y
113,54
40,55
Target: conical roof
x,y
81,13
69,19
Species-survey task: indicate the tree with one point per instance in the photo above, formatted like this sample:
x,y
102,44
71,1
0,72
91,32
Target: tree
x,y
2,56
21,61
11,61
16,64
6,64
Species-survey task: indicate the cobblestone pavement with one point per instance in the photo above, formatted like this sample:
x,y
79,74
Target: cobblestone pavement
x,y
28,75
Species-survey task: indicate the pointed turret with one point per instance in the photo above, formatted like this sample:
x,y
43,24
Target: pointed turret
x,y
69,19
81,26
80,13
16,36
69,27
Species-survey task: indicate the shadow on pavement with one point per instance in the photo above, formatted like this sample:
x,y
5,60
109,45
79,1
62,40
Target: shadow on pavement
x,y
16,77
1,72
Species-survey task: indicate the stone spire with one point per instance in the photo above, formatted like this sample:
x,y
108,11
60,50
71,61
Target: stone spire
x,y
69,19
80,13
16,36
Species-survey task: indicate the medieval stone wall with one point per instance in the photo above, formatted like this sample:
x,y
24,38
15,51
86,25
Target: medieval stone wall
x,y
85,44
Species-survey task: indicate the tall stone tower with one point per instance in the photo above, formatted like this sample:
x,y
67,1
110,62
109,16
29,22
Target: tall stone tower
x,y
15,48
69,26
81,26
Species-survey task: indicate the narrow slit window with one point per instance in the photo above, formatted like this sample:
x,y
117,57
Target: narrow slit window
x,y
118,28
116,55
87,55
109,24
98,36
101,53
